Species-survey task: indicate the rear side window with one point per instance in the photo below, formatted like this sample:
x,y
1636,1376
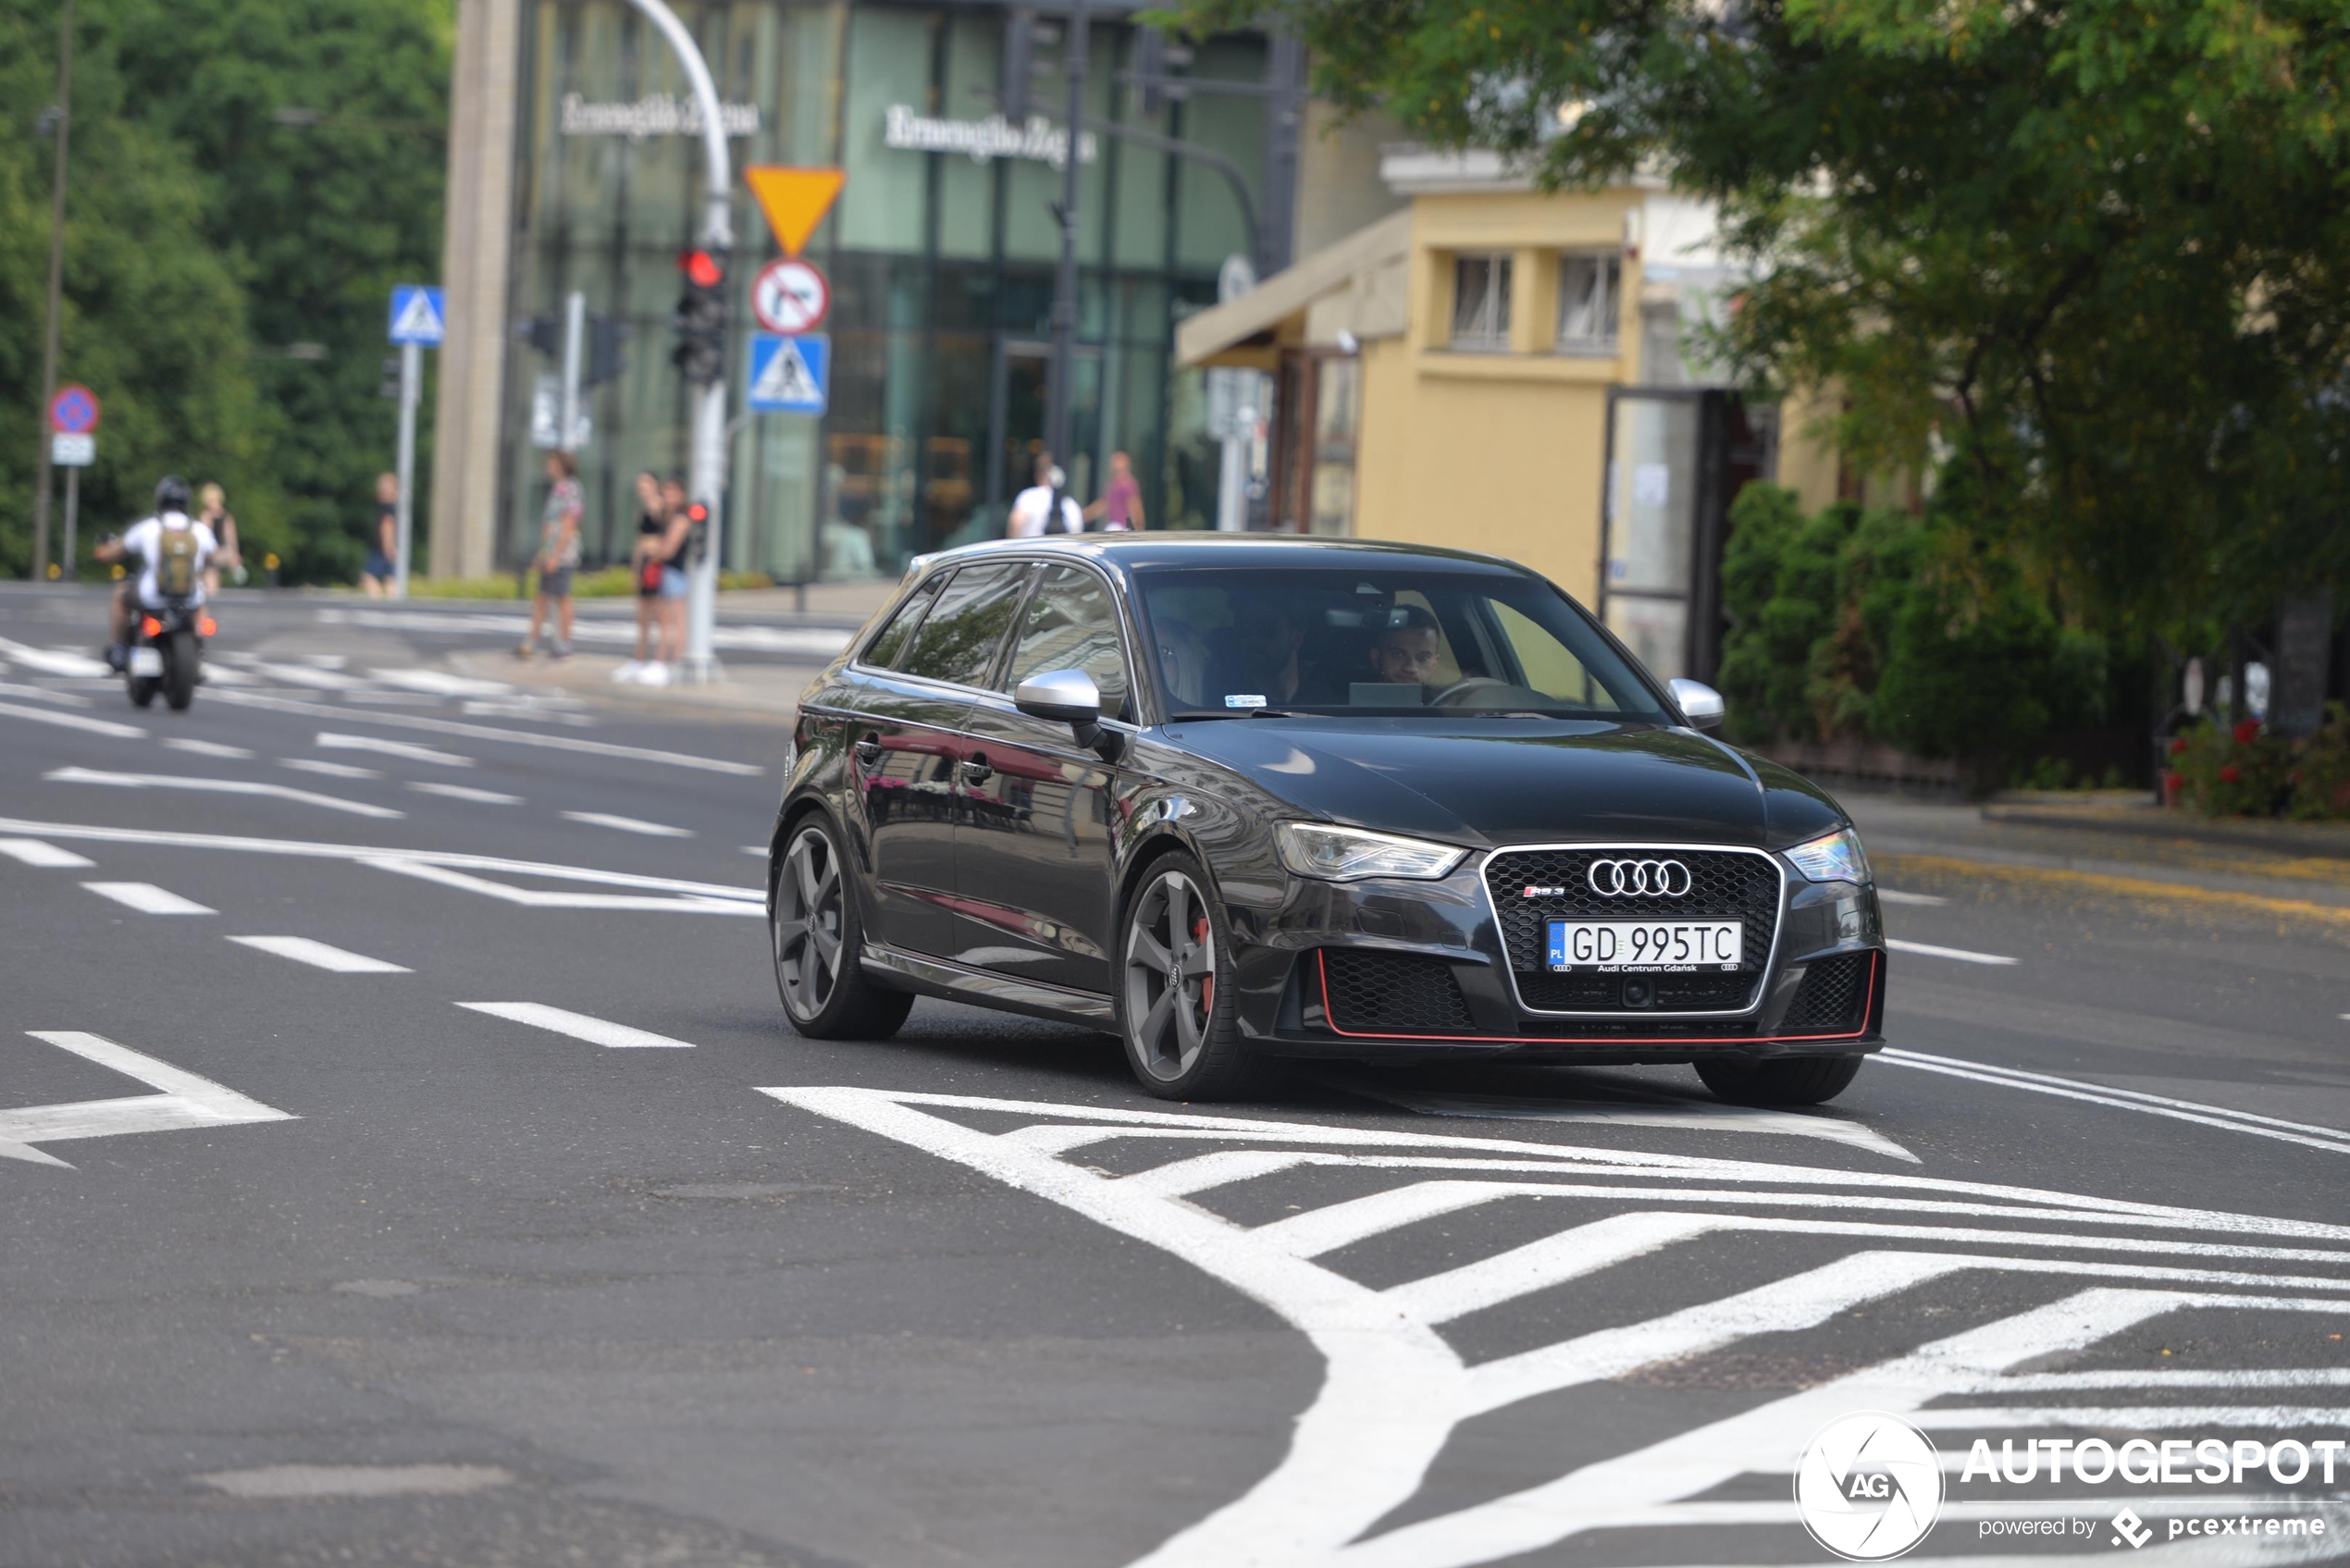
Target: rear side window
x,y
959,639
1072,624
883,652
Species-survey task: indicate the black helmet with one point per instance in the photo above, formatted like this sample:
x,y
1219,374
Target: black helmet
x,y
171,494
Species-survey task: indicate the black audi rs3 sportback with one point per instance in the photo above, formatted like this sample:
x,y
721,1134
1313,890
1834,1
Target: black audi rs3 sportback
x,y
1239,800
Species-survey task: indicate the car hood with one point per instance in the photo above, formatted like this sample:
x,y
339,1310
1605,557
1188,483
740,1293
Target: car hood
x,y
1517,781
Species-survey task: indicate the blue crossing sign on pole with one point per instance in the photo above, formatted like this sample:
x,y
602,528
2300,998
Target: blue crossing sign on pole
x,y
416,315
789,374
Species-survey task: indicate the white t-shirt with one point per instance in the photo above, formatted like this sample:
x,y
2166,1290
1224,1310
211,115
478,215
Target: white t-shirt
x,y
1033,505
141,540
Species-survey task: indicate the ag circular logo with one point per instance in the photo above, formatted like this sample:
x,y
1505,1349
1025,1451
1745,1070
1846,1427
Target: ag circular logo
x,y
1869,1486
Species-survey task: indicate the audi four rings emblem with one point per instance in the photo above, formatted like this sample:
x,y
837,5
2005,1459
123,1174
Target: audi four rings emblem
x,y
1639,879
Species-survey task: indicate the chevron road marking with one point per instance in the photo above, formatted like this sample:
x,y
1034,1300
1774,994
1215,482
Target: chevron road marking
x,y
185,1101
217,786
2303,1133
1395,1389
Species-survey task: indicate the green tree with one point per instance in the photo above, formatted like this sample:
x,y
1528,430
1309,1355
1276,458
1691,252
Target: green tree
x,y
2091,251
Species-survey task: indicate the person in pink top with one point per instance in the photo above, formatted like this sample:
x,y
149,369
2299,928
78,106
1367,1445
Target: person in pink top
x,y
1121,506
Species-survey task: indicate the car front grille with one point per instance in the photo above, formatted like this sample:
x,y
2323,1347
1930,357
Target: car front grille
x,y
1833,999
1392,994
1723,884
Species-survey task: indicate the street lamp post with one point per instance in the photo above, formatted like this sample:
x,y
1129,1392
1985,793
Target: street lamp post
x,y
57,287
1060,396
707,470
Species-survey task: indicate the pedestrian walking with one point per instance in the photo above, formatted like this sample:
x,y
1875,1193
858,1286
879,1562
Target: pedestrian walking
x,y
557,559
1045,507
375,577
645,568
1120,508
212,509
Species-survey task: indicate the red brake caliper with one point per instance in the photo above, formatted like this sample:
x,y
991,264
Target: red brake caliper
x,y
1207,981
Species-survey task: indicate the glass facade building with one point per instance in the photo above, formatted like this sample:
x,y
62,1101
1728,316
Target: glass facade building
x,y
941,263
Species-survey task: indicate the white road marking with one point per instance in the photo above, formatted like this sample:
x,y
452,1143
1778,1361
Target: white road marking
x,y
688,895
1891,895
1395,1389
147,898
579,1026
441,683
512,737
290,1481
627,825
1962,954
407,749
185,1101
761,851
520,709
816,643
1633,1109
33,852
331,770
54,660
317,955
304,675
206,747
2299,1132
74,721
218,786
537,898
464,792
42,694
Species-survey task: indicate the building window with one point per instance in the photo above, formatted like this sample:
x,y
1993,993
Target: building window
x,y
1589,290
1482,302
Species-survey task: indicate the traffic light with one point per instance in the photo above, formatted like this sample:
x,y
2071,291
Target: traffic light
x,y
542,332
605,335
389,386
696,532
1155,60
700,321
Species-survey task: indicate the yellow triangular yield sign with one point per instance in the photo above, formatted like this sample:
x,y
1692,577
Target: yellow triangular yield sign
x,y
795,200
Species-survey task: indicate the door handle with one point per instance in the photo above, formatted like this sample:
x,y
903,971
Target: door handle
x,y
976,769
868,749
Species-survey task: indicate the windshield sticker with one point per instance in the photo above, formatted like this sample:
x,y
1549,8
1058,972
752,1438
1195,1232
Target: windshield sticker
x,y
1245,700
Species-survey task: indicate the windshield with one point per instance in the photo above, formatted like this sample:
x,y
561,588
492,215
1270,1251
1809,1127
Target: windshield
x,y
1401,636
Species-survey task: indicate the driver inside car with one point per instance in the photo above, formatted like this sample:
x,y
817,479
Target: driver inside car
x,y
1407,651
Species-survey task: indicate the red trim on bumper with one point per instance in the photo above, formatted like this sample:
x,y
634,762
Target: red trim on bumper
x,y
1876,960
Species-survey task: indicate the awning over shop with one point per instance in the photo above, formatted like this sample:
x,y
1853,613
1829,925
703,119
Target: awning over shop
x,y
1356,285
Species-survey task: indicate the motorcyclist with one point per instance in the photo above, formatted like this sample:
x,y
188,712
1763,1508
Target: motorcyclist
x,y
141,545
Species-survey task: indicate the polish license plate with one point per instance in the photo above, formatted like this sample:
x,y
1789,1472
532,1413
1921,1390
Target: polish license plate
x,y
1644,946
146,662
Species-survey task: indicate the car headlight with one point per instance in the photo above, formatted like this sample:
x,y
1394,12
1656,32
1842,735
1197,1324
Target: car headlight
x,y
1835,857
1316,849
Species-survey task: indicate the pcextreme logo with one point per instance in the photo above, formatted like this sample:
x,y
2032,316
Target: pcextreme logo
x,y
1869,1486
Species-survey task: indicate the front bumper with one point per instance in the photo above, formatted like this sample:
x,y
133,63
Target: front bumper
x,y
1311,969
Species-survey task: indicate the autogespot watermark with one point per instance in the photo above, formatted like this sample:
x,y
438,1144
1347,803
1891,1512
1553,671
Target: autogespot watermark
x,y
1869,1486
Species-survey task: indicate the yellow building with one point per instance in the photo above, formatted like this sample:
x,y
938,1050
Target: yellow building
x,y
1497,369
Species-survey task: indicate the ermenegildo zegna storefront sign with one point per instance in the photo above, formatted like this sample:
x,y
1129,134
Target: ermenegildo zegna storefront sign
x,y
1039,140
655,114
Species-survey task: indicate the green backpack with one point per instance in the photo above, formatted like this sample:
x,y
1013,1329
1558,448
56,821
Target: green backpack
x,y
176,562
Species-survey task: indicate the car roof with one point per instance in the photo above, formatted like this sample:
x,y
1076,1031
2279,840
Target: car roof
x,y
1200,549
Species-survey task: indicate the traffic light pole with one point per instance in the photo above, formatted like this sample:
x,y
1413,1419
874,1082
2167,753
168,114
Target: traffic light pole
x,y
706,477
1058,433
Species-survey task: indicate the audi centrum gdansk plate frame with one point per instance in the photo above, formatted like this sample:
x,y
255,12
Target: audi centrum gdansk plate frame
x,y
1770,958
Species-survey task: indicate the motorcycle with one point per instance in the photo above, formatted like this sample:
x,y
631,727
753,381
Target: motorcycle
x,y
166,651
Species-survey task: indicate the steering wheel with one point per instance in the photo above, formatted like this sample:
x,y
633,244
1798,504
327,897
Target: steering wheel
x,y
1463,689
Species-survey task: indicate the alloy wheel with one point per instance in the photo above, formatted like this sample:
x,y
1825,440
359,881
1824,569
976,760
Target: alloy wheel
x,y
808,923
1170,975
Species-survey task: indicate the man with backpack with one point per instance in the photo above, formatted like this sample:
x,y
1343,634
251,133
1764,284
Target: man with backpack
x,y
167,553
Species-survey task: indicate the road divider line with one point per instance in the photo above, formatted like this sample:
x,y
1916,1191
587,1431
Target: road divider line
x,y
407,749
33,852
218,786
319,956
207,747
579,1026
1892,896
483,732
1961,955
537,898
2303,1133
54,660
627,825
441,683
74,721
331,770
305,675
464,792
42,694
147,898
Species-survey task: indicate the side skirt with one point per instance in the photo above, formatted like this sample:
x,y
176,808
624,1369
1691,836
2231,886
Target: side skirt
x,y
957,983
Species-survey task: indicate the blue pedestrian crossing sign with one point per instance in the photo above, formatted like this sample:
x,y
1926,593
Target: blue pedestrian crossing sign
x,y
416,315
789,374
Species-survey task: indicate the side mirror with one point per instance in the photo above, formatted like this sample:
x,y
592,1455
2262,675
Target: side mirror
x,y
1071,697
1698,703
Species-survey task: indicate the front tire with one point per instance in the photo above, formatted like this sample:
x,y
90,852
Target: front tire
x,y
1778,1080
1178,1009
815,936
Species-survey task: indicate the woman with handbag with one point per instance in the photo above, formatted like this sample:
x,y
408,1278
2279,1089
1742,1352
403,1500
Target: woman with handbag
x,y
645,563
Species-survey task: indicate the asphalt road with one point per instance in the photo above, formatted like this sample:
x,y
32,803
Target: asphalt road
x,y
524,1231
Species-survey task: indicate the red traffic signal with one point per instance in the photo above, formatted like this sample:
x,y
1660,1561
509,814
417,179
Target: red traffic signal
x,y
697,514
702,269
